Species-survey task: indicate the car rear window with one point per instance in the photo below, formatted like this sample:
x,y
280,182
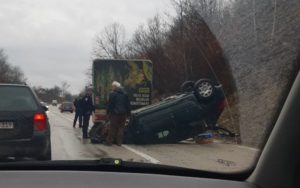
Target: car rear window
x,y
67,104
17,99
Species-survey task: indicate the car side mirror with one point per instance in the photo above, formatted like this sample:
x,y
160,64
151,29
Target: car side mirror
x,y
45,108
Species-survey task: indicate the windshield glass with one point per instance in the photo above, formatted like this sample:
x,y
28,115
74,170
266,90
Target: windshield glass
x,y
188,83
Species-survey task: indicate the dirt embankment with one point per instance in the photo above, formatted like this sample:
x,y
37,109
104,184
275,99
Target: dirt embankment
x,y
261,42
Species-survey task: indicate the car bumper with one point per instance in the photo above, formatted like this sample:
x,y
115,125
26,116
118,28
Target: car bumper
x,y
34,147
67,110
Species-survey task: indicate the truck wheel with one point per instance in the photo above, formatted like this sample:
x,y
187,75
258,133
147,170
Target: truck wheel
x,y
95,133
93,130
187,86
204,89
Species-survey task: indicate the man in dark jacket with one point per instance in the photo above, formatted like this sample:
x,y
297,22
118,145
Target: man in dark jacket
x,y
87,108
117,110
78,113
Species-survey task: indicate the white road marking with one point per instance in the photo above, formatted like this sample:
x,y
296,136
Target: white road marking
x,y
249,148
148,157
144,155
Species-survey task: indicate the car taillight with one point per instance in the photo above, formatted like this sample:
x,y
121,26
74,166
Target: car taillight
x,y
40,122
221,105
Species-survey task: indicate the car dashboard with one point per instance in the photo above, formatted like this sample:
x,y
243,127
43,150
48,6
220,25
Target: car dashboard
x,y
74,179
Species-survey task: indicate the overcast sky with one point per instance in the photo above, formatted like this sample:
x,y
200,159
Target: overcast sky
x,y
52,40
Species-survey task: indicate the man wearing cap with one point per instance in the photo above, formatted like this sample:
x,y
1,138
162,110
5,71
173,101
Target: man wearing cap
x,y
87,108
118,109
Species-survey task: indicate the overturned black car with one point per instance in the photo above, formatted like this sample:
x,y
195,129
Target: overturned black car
x,y
179,117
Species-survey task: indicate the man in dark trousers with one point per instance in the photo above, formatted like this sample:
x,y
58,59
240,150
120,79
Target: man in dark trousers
x,y
87,108
78,113
117,110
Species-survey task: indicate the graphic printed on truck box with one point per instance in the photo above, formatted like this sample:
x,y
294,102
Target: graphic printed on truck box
x,y
134,75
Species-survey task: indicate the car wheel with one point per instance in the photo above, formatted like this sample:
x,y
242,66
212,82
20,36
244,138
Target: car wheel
x,y
204,89
187,86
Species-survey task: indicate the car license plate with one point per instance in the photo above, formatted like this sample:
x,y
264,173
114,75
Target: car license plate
x,y
6,125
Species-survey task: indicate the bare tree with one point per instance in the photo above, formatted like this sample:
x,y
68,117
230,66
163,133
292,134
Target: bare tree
x,y
111,42
185,44
151,36
53,93
9,73
64,88
4,67
89,75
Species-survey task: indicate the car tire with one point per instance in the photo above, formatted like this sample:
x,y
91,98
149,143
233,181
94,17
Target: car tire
x,y
204,89
187,86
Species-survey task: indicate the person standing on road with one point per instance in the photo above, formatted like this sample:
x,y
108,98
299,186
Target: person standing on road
x,y
78,114
87,108
117,110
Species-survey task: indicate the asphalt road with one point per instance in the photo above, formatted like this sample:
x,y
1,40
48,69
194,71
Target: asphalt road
x,y
67,144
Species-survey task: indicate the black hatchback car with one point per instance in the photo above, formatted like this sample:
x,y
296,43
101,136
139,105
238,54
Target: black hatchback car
x,y
194,110
24,126
185,115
